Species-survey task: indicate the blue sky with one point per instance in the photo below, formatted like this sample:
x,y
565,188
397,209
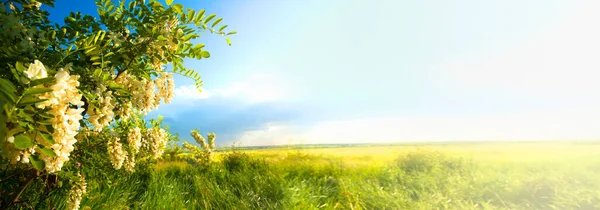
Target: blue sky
x,y
355,71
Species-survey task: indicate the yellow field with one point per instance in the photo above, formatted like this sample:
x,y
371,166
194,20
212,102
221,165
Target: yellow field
x,y
484,153
532,175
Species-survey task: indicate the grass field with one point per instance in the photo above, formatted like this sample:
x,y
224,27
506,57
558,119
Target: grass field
x,y
549,175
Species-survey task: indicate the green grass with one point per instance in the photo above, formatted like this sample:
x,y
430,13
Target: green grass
x,y
462,176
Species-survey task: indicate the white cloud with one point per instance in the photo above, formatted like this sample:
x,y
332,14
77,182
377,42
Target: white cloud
x,y
271,135
257,88
542,125
190,92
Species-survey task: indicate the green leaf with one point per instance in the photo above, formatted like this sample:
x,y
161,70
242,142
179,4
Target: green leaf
x,y
191,14
169,2
198,46
7,85
44,122
210,17
201,13
205,54
7,96
232,32
217,21
48,151
20,67
49,128
47,137
162,38
178,8
228,41
23,141
29,100
97,72
88,51
47,80
114,85
37,163
222,27
32,91
97,36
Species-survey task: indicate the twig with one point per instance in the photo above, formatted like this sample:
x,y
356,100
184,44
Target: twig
x,y
8,177
16,199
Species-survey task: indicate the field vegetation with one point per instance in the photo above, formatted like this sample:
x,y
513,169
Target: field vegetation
x,y
452,176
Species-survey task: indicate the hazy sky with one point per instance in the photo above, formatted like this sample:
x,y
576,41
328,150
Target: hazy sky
x,y
349,71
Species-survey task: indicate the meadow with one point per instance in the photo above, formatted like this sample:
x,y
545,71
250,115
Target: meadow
x,y
542,175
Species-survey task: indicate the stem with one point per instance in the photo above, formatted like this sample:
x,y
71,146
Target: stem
x,y
5,169
16,199
7,178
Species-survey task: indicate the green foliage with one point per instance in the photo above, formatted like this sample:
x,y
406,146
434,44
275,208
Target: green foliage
x,y
133,39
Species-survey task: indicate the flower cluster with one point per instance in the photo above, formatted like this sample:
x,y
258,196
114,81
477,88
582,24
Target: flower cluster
x,y
191,147
200,139
116,154
134,139
129,163
166,87
207,147
142,91
156,141
211,140
101,115
66,118
76,193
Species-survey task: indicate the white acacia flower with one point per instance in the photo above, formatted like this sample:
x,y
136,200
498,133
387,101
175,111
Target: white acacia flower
x,y
116,153
66,118
157,140
76,193
36,70
134,139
